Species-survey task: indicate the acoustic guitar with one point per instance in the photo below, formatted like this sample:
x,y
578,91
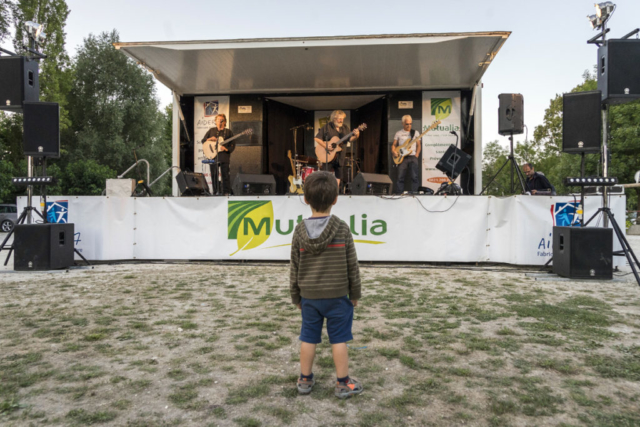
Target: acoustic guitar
x,y
404,151
335,146
295,181
210,148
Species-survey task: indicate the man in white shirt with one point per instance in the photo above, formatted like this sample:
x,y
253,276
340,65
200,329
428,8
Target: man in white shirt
x,y
410,161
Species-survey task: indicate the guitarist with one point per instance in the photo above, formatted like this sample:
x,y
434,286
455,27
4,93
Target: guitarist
x,y
223,157
335,127
410,161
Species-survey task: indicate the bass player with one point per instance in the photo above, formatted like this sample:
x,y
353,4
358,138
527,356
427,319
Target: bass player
x,y
335,127
224,154
410,161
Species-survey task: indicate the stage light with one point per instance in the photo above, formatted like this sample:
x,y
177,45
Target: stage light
x,y
42,180
583,182
594,21
34,29
603,10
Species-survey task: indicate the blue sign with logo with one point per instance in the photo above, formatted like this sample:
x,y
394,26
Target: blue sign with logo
x,y
58,212
566,214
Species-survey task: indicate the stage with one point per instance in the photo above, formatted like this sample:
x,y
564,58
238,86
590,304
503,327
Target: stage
x,y
514,230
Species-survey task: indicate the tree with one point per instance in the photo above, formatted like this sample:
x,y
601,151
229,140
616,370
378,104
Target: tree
x,y
114,109
5,18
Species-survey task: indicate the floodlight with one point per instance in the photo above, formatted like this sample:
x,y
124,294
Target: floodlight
x,y
34,29
603,10
41,38
594,21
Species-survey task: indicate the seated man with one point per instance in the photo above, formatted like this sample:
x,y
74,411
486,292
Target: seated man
x,y
536,182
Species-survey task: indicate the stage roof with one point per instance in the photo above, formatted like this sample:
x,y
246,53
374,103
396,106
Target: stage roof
x,y
320,64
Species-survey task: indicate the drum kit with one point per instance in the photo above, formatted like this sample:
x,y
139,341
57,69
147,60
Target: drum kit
x,y
305,166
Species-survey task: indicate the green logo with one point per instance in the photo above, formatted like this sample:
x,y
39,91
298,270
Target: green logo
x,y
441,108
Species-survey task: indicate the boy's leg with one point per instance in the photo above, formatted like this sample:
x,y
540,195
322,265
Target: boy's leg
x,y
307,354
341,359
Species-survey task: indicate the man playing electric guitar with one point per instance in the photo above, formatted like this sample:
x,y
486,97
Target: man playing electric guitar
x,y
411,160
224,154
335,127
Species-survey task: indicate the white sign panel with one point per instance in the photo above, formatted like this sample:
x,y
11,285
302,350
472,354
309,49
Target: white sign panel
x,y
206,108
443,107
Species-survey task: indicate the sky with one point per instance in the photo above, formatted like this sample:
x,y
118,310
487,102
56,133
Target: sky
x,y
545,55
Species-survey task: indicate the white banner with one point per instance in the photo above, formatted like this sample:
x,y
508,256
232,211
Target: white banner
x,y
513,230
205,110
443,106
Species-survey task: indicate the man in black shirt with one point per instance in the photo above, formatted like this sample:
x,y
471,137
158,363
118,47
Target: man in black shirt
x,y
218,135
335,127
537,182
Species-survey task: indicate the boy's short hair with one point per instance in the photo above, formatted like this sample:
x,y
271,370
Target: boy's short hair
x,y
321,190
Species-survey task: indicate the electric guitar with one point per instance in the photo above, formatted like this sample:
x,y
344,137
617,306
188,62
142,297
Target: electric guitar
x,y
335,146
295,181
210,148
404,150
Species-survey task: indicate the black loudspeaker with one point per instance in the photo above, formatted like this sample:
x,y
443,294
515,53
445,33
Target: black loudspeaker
x,y
246,159
583,252
511,114
581,122
41,129
453,161
618,75
18,82
192,184
246,184
371,183
42,246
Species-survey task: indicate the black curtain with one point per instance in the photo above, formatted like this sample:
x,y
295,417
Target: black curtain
x,y
371,150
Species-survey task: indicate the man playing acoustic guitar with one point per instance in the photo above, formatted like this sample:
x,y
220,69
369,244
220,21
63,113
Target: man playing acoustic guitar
x,y
335,127
224,154
411,160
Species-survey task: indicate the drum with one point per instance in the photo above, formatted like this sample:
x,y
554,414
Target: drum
x,y
306,171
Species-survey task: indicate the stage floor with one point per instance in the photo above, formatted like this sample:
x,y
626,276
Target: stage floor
x,y
513,230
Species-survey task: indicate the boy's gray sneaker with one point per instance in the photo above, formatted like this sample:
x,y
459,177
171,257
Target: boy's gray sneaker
x,y
351,387
305,386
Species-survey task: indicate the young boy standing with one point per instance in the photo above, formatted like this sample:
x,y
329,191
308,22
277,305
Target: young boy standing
x,y
324,283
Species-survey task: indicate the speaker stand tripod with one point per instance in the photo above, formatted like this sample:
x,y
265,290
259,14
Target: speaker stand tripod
x,y
514,165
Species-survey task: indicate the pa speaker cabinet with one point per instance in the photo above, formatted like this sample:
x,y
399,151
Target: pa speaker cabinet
x,y
192,184
371,183
453,161
18,82
247,184
43,246
581,122
583,252
618,75
511,114
41,129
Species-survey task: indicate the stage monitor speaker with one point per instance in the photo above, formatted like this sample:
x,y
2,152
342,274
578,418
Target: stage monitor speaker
x,y
583,252
247,184
18,82
192,184
41,129
43,246
618,75
453,161
371,184
511,114
581,122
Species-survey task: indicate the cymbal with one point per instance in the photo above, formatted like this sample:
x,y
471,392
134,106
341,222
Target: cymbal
x,y
306,159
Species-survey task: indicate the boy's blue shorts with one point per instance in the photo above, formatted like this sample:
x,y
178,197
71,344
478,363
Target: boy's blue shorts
x,y
339,315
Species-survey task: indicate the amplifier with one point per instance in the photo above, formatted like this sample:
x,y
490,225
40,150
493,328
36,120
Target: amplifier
x,y
43,246
192,184
583,252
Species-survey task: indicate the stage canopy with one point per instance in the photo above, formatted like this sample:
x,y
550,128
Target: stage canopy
x,y
320,64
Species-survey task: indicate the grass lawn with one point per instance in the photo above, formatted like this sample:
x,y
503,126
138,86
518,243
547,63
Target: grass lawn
x,y
205,344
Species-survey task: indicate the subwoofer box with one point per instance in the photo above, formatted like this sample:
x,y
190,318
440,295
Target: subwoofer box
x,y
583,252
247,184
371,183
43,246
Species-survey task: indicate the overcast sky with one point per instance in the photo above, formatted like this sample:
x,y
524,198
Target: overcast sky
x,y
545,55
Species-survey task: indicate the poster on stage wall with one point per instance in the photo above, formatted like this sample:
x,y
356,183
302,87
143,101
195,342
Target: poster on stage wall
x,y
445,107
205,110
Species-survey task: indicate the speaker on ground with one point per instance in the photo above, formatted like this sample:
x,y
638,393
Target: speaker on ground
x,y
246,184
581,122
371,183
43,246
192,184
511,114
41,129
583,252
18,82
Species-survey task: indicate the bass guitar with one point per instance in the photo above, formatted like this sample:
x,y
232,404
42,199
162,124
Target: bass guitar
x,y
295,180
335,146
210,148
404,151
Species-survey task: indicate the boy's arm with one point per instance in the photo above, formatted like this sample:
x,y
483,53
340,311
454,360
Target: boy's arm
x,y
293,270
352,268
